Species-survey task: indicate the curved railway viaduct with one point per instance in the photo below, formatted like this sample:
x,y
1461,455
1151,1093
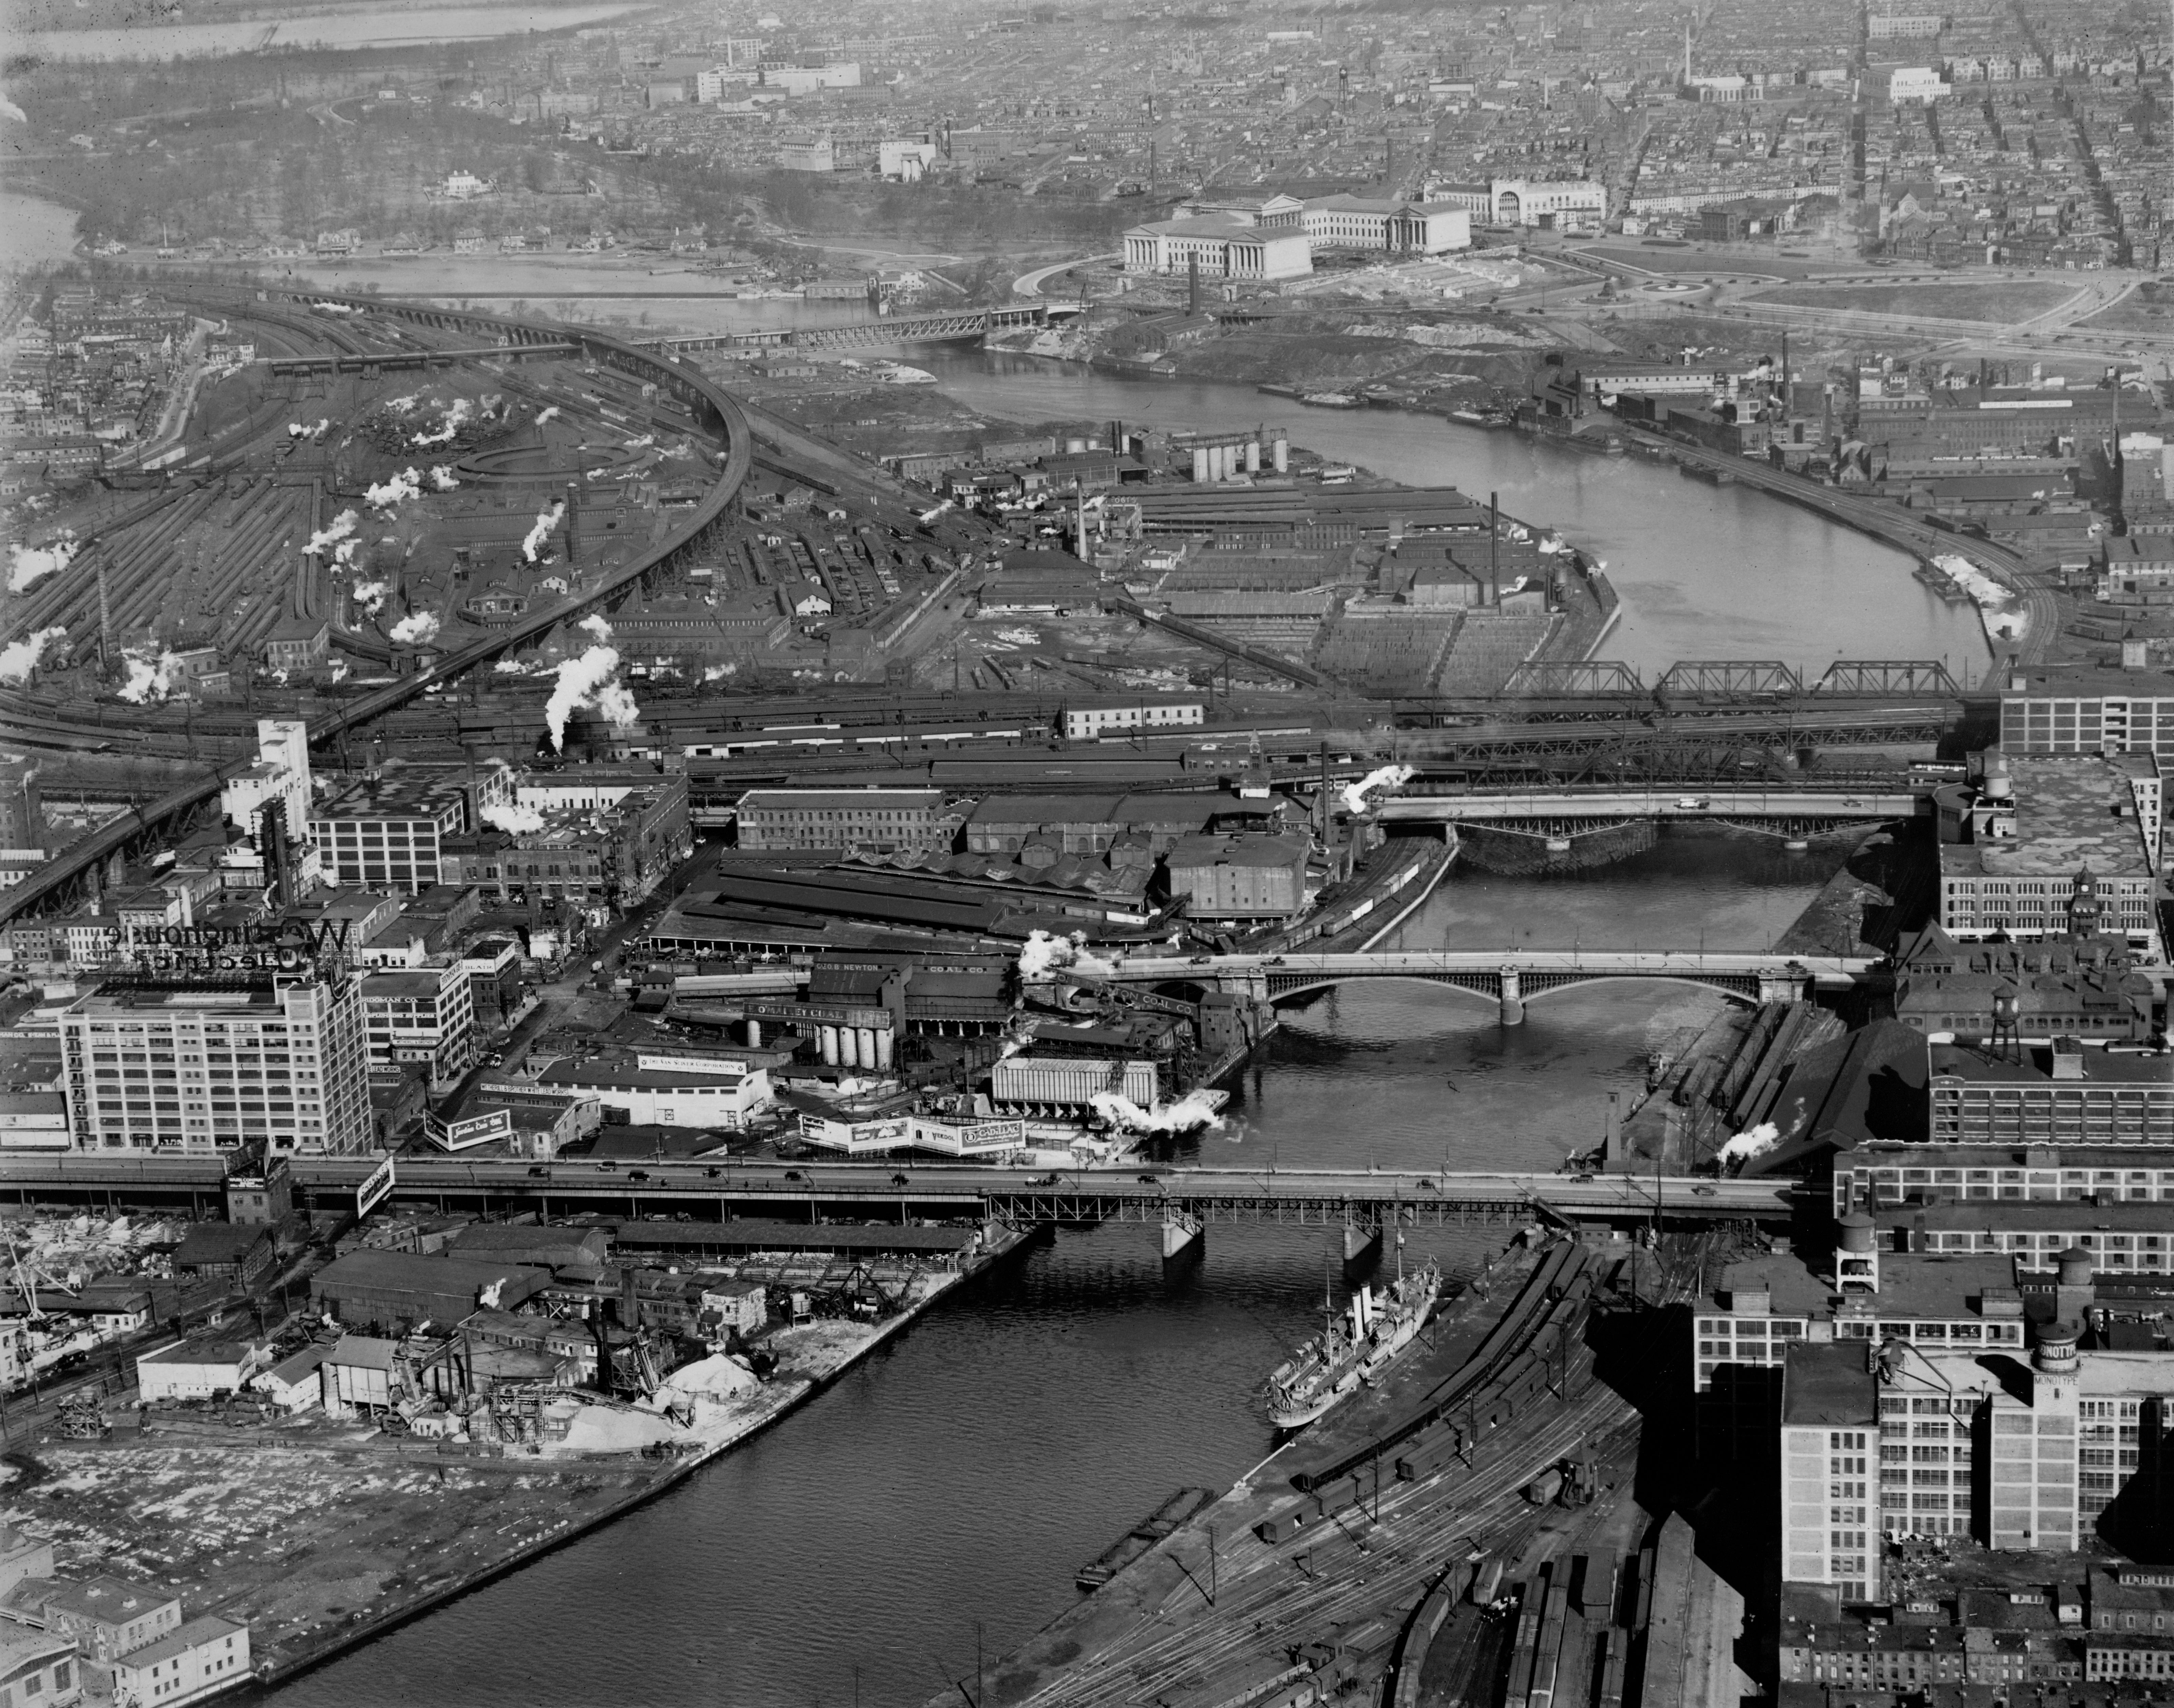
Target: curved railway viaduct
x,y
712,409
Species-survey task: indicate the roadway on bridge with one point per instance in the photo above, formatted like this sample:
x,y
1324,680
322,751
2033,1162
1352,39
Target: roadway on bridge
x,y
1490,807
888,1185
1661,964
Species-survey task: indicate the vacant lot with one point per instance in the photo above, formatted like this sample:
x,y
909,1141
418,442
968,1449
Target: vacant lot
x,y
1996,301
2149,308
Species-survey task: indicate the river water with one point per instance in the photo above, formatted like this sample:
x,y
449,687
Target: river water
x,y
960,1478
378,26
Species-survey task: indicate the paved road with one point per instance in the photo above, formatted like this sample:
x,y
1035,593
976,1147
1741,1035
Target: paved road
x,y
1487,806
1030,283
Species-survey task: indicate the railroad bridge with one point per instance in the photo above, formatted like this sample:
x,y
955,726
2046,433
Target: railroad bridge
x,y
1510,978
961,327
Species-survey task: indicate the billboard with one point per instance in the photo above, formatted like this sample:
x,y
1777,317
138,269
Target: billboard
x,y
375,1189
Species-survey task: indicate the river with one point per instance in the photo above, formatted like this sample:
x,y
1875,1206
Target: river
x,y
376,26
959,1479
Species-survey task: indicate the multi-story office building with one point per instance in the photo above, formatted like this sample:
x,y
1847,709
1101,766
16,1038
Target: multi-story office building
x,y
423,1014
1997,1177
209,1064
2088,709
883,820
608,857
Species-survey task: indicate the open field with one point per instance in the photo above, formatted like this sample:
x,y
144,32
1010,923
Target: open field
x,y
2149,308
1997,301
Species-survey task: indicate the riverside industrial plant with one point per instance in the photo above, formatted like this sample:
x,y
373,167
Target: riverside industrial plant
x,y
564,883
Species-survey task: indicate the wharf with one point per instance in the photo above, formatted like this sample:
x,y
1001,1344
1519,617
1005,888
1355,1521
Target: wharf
x,y
414,1526
1267,1569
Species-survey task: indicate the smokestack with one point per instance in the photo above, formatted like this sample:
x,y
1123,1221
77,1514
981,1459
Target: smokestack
x,y
573,517
1193,285
1494,551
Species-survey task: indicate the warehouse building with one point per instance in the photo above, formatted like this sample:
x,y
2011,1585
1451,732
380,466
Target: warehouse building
x,y
388,1289
879,820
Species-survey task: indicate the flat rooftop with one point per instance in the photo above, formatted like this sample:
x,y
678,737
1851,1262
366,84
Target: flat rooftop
x,y
1827,1382
1982,1066
2088,682
1911,1284
2069,813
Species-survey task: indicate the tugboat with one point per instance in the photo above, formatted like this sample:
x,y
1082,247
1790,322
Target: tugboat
x,y
1354,1346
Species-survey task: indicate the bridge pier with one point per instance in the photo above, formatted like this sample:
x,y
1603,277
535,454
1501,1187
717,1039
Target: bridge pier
x,y
1512,1012
1787,986
1362,1246
1184,1242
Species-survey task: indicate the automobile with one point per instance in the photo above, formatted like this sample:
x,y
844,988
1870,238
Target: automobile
x,y
640,1174
1047,1180
611,1167
1852,801
539,1172
1202,961
1150,1180
712,1172
794,1174
1704,1192
1693,803
1579,1178
900,1180
1427,1185
495,1059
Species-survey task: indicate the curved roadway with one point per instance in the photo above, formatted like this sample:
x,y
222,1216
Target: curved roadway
x,y
114,835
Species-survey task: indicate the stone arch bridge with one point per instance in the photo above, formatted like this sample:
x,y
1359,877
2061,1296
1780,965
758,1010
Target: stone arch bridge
x,y
1510,978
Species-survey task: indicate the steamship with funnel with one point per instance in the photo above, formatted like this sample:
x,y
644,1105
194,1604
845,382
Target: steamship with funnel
x,y
1354,1346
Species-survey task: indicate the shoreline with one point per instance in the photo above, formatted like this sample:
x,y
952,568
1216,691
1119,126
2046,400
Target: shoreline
x,y
270,1673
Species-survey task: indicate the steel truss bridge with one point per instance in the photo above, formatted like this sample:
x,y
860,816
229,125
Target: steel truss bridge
x,y
1553,807
712,409
965,325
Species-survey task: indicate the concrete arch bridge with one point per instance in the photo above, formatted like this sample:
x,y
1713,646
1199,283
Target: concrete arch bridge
x,y
1509,978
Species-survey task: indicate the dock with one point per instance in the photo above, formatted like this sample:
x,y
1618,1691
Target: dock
x,y
1154,1528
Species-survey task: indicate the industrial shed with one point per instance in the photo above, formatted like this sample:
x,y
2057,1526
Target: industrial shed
x,y
386,1289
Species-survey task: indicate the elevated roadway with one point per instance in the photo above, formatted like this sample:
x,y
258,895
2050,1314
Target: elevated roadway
x,y
709,1189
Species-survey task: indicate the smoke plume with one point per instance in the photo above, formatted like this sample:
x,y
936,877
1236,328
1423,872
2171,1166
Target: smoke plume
x,y
514,821
338,529
398,489
419,629
369,597
19,658
545,414
1191,1113
1045,953
30,564
1387,777
536,535
441,478
150,677
449,424
1754,1142
592,681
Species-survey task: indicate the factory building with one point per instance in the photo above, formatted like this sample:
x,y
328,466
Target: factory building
x,y
388,829
882,820
209,1065
2057,709
2034,847
1241,877
2061,1094
655,1088
367,1289
2059,987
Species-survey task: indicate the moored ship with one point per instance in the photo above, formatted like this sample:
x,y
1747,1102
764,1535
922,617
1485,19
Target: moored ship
x,y
1356,1347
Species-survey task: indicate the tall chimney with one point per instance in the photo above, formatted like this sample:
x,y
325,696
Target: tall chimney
x,y
1494,551
573,517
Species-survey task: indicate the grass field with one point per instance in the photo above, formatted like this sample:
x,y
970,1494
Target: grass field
x,y
1997,302
2148,309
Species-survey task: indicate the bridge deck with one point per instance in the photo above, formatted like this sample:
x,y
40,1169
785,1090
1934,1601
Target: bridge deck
x,y
1495,806
706,1187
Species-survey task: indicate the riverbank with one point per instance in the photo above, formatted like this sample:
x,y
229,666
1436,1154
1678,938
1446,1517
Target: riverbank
x,y
232,1518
